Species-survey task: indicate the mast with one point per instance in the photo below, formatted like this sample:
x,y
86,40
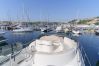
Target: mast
x,y
25,15
77,17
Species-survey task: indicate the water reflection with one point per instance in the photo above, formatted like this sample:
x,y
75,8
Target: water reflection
x,y
17,40
91,47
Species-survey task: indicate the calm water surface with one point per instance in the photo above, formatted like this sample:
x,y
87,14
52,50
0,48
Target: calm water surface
x,y
90,44
21,37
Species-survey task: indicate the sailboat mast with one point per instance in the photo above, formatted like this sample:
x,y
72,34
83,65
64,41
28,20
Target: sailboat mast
x,y
77,17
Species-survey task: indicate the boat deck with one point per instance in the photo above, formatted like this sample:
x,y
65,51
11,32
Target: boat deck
x,y
20,60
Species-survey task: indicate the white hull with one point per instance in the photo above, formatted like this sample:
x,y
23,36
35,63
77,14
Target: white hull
x,y
23,30
76,32
43,29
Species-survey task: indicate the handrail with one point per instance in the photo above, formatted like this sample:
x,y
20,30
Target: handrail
x,y
85,55
8,57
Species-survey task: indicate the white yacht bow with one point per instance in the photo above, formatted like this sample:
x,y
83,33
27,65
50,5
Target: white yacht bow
x,y
49,51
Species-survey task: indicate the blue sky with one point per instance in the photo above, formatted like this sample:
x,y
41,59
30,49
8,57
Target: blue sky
x,y
52,10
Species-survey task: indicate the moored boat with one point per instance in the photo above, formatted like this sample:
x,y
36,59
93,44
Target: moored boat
x,y
97,32
26,29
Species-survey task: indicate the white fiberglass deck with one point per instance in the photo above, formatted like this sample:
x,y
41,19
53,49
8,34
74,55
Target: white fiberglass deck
x,y
57,51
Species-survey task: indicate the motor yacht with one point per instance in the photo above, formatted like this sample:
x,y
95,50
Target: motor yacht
x,y
50,50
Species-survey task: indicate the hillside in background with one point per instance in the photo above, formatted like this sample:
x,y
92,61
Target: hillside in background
x,y
94,20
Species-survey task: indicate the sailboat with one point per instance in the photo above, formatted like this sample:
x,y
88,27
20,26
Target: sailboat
x,y
23,29
19,27
75,31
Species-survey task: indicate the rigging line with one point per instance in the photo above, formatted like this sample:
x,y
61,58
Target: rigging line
x,y
86,56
